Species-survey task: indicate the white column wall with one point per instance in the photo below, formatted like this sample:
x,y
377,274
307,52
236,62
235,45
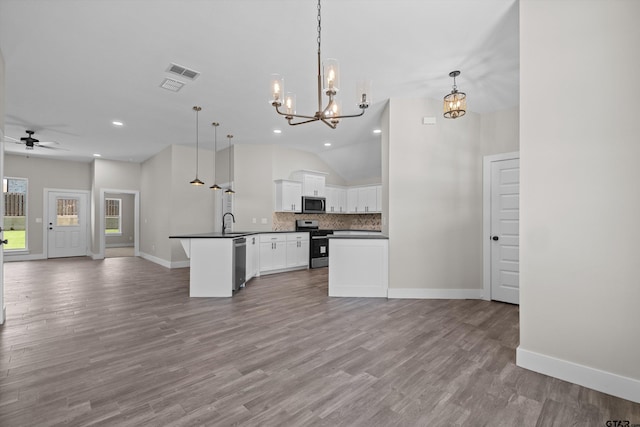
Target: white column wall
x,y
580,203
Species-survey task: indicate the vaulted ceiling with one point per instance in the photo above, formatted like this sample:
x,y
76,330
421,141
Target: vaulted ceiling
x,y
74,66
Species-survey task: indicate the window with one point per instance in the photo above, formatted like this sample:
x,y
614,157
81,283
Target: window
x,y
113,217
15,213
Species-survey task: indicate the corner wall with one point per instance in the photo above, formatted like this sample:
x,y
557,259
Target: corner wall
x,y
580,204
435,197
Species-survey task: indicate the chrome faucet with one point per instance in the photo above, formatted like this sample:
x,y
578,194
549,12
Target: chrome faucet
x,y
233,218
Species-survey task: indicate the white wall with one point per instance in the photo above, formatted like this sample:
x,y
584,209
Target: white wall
x,y
155,205
435,197
44,173
580,204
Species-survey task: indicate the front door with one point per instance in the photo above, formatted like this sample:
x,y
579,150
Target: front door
x,y
67,226
505,238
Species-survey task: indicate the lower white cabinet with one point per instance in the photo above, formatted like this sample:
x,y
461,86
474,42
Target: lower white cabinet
x,y
297,250
273,252
281,251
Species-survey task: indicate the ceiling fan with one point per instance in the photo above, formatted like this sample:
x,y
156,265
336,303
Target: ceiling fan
x,y
30,142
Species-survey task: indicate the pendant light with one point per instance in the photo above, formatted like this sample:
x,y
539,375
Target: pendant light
x,y
229,190
455,103
215,151
196,181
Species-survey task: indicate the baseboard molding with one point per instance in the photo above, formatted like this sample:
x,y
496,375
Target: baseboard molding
x,y
606,382
96,256
4,315
119,245
23,257
163,262
422,293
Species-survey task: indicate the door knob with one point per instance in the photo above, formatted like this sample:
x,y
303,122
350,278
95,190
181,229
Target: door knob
x,y
495,238
4,242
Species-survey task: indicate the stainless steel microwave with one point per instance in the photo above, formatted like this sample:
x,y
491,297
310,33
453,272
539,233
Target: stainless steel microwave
x,y
313,204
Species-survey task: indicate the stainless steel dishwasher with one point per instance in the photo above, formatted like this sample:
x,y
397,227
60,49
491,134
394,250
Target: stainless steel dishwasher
x,y
239,262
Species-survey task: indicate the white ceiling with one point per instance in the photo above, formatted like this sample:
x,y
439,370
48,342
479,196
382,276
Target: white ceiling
x,y
73,66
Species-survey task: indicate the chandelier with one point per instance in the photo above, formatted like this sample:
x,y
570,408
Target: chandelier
x,y
330,114
455,103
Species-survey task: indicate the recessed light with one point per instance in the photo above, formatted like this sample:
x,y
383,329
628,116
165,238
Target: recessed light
x,y
327,144
277,131
377,131
97,155
117,123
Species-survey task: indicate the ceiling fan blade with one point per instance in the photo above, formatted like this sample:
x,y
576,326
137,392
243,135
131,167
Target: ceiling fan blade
x,y
10,139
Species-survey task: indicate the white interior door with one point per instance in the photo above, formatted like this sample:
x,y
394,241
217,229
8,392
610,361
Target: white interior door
x,y
67,224
505,238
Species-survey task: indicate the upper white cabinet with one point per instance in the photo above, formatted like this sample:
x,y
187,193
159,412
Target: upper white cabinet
x,y
288,196
336,199
313,183
365,199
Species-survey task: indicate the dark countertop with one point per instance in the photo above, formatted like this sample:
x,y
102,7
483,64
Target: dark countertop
x,y
359,237
228,235
237,234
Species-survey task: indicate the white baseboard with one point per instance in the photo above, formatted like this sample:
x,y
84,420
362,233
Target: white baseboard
x,y
96,256
422,293
163,262
119,245
23,257
606,382
4,315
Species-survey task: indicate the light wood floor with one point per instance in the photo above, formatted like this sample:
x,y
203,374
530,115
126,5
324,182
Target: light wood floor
x,y
118,342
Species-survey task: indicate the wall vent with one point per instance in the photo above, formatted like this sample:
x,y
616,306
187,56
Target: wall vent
x,y
183,71
172,84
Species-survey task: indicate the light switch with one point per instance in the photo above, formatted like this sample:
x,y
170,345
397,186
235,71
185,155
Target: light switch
x,y
263,221
428,120
254,221
38,220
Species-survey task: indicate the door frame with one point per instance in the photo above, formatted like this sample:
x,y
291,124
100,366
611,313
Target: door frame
x,y
486,217
102,220
3,310
45,217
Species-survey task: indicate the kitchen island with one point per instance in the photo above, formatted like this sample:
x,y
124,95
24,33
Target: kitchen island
x,y
358,265
212,258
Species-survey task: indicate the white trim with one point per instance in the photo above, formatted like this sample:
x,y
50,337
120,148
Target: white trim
x,y
422,293
23,257
163,262
136,219
486,218
596,379
119,245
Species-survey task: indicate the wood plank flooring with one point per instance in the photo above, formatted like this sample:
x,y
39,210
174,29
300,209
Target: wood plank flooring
x,y
118,342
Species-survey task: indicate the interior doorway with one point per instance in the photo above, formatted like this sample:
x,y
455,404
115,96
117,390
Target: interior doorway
x,y
501,231
119,223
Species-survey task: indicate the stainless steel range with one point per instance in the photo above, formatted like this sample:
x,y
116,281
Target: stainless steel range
x,y
319,247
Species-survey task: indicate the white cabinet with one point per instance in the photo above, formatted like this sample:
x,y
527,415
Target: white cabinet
x,y
273,252
336,199
364,199
352,200
297,250
313,183
288,196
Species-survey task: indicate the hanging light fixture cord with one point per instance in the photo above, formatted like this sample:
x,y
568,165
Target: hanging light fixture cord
x,y
229,190
215,151
197,181
325,115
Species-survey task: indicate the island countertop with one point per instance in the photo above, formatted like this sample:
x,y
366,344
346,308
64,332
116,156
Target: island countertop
x,y
357,236
228,235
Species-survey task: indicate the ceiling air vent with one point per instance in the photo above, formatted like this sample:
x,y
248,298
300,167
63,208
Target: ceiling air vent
x,y
172,84
183,71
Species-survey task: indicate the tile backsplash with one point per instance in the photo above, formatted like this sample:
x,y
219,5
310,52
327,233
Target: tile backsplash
x,y
285,221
